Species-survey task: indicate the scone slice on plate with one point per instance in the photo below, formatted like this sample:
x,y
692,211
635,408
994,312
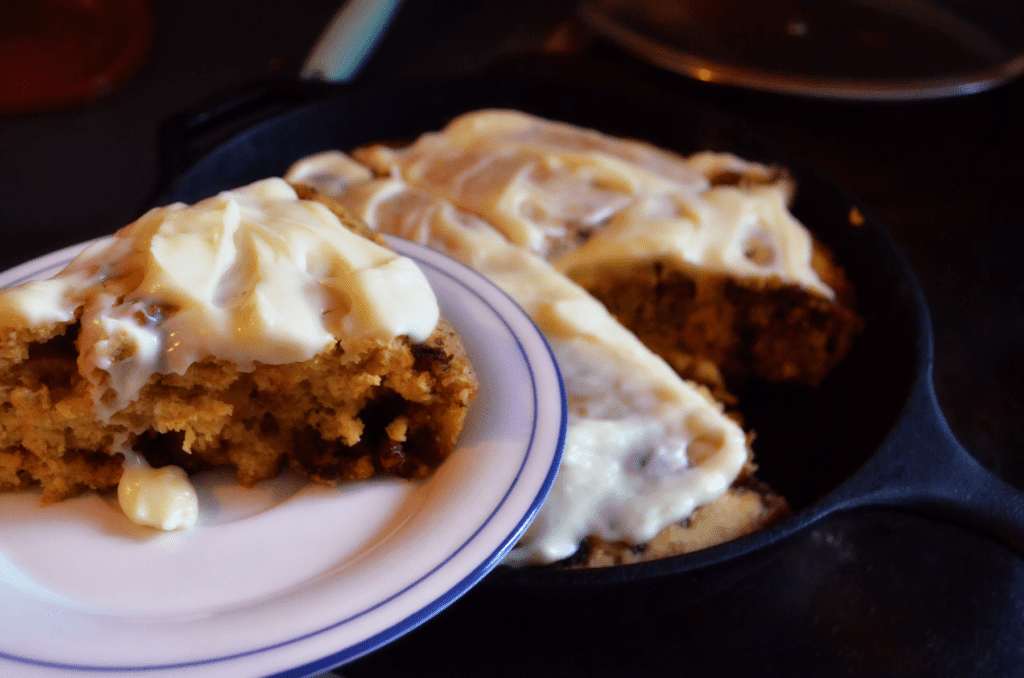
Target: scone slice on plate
x,y
253,330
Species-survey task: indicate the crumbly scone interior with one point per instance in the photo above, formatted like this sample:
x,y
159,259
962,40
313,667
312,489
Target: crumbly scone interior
x,y
395,408
774,331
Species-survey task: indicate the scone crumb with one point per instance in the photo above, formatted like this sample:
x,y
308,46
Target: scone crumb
x,y
398,429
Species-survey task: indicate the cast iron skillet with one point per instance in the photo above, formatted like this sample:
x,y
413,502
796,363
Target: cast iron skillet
x,y
871,436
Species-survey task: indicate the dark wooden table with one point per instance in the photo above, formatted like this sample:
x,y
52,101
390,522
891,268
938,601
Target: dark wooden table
x,y
944,177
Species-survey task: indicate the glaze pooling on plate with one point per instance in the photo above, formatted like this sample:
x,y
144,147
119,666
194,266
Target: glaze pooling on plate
x,y
311,578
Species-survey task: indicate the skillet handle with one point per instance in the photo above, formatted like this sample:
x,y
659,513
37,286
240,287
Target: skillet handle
x,y
923,468
189,135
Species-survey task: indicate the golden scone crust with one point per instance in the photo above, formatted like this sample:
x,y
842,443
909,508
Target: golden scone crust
x,y
748,506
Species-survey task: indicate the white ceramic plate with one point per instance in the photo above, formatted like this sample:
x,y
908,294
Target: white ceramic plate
x,y
288,579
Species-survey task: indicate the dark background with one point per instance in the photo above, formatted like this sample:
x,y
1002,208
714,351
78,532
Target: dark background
x,y
943,176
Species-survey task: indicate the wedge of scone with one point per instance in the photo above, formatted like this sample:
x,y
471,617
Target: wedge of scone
x,y
254,330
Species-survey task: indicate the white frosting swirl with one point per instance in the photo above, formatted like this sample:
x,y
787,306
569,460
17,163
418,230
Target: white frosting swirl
x,y
543,184
250,275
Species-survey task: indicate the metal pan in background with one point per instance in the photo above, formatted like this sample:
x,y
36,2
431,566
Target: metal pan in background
x,y
868,449
866,50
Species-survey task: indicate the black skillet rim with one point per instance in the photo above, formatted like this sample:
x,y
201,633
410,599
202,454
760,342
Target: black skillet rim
x,y
311,99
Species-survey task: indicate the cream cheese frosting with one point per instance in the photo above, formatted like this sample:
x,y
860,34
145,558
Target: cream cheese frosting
x,y
531,178
741,232
252,275
643,447
549,186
